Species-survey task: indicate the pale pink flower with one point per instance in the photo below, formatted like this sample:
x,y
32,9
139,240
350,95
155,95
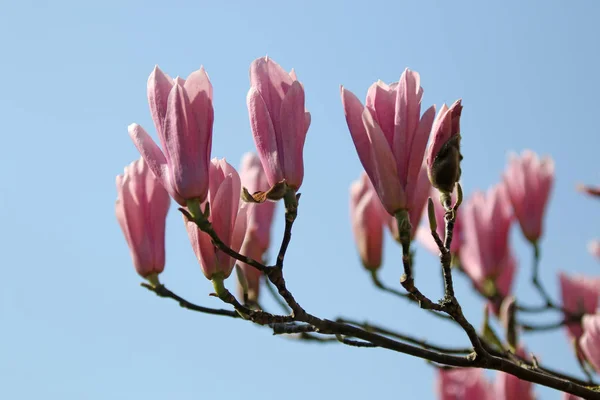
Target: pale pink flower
x,y
228,216
485,253
258,233
183,116
367,216
141,208
463,384
390,137
529,181
579,296
278,120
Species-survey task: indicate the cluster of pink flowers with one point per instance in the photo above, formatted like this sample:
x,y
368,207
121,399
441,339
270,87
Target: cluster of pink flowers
x,y
402,169
182,111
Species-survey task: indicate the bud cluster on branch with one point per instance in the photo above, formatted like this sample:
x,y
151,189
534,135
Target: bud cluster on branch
x,y
412,168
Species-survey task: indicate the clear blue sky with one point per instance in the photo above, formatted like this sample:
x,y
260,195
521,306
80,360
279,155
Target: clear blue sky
x,y
76,324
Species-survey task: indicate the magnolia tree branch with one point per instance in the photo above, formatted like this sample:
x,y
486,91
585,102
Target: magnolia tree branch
x,y
310,327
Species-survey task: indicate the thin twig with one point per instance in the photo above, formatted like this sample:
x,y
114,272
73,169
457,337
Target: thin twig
x,y
380,285
162,291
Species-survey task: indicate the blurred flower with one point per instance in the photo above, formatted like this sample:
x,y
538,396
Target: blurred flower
x,y
258,233
367,216
529,181
579,296
485,254
590,340
463,384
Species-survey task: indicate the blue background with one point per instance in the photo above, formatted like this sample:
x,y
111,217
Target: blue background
x,y
74,322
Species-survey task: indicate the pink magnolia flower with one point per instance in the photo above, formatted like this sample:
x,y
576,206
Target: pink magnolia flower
x,y
141,208
228,216
509,387
443,155
463,384
183,114
367,216
594,248
485,254
529,181
423,234
390,137
569,396
590,340
278,120
579,296
258,233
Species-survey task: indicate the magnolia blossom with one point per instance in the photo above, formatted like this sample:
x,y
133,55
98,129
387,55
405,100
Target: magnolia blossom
x,y
529,181
579,296
258,233
443,155
463,384
485,254
590,340
390,136
141,208
278,120
183,116
367,216
228,216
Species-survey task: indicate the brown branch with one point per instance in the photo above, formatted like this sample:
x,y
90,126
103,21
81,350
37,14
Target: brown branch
x,y
481,358
405,338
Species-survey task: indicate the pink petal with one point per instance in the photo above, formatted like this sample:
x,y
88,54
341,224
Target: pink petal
x,y
158,88
384,174
292,133
264,136
353,109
